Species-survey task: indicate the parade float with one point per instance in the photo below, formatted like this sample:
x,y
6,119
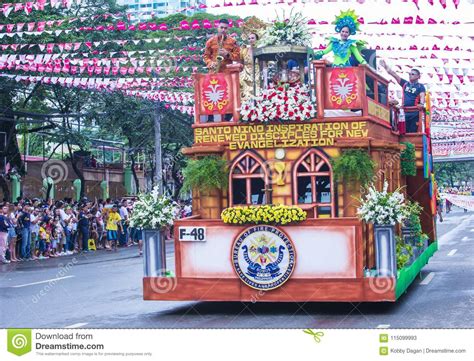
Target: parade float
x,y
306,192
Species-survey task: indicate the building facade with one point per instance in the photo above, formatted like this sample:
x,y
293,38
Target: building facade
x,y
146,9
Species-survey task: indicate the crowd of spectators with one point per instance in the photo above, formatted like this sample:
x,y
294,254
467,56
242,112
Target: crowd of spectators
x,y
32,229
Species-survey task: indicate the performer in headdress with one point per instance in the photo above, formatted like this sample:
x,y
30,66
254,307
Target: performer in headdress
x,y
345,49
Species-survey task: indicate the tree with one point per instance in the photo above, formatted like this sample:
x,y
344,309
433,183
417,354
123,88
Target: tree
x,y
453,173
120,117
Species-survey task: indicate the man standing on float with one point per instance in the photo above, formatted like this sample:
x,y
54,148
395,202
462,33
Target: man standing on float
x,y
221,49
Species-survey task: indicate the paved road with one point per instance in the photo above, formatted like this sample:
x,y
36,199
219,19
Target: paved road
x,y
104,290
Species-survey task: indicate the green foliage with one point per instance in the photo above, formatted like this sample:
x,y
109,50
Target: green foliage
x,y
205,174
404,253
354,165
451,174
413,221
408,159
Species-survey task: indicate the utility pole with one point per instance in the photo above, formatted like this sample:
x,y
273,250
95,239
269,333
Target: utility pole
x,y
158,161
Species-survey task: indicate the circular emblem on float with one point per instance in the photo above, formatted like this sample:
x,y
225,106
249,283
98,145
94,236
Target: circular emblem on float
x,y
263,257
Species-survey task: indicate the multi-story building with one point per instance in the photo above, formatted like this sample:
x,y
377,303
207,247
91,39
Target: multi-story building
x,y
146,9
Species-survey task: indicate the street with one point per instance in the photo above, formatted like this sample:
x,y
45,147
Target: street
x,y
104,290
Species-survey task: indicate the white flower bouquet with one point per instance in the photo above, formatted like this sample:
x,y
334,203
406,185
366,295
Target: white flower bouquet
x,y
382,208
153,211
284,103
293,31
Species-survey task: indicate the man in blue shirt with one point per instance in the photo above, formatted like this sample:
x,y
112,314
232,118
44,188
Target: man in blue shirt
x,y
24,222
413,95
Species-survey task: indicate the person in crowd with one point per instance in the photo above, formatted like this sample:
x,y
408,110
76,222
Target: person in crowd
x,y
83,228
12,237
413,95
61,237
53,236
4,226
24,224
113,224
35,219
124,215
43,241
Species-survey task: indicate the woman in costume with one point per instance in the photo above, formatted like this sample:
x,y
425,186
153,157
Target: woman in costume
x,y
252,30
344,48
246,75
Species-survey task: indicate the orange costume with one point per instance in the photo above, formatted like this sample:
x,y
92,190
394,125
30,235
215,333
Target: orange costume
x,y
212,48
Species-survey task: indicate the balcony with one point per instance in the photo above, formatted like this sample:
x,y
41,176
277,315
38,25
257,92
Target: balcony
x,y
338,94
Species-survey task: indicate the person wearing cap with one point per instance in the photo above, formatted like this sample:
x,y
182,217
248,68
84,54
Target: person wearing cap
x,y
413,95
112,226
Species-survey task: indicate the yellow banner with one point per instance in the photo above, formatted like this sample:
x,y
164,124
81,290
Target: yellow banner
x,y
258,136
378,111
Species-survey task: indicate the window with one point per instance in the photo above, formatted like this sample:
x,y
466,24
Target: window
x,y
370,87
312,184
248,180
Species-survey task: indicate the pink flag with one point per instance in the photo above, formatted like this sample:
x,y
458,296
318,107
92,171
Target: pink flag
x,y
7,8
121,26
18,7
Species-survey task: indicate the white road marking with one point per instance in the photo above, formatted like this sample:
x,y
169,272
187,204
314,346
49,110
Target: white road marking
x,y
472,230
452,235
464,239
428,278
40,282
452,252
77,325
383,326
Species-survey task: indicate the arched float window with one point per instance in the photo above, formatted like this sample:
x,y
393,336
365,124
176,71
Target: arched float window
x,y
248,180
313,184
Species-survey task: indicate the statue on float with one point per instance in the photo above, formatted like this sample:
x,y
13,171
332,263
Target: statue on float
x,y
279,90
345,49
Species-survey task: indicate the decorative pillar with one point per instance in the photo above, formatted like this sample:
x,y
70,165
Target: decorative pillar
x,y
77,189
15,187
127,181
385,251
319,81
104,185
47,183
154,264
